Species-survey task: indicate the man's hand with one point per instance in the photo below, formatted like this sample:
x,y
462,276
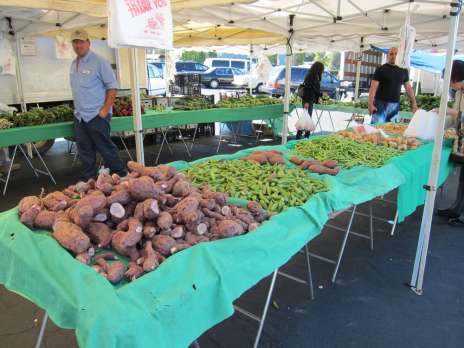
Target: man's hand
x,y
372,109
414,108
103,112
306,106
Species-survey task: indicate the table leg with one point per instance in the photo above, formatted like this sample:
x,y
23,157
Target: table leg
x,y
42,331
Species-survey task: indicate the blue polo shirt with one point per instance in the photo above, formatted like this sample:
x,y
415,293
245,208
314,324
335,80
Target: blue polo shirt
x,y
90,79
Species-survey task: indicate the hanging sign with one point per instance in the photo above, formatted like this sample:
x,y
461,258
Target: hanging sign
x,y
63,48
28,46
140,23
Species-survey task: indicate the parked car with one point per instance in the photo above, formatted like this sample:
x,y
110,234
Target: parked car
x,y
190,67
216,77
156,81
242,64
275,86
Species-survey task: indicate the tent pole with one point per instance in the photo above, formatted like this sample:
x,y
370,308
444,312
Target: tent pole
x,y
288,77
250,87
358,69
417,278
19,74
418,81
135,91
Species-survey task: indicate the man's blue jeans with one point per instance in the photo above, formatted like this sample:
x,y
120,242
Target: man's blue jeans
x,y
386,112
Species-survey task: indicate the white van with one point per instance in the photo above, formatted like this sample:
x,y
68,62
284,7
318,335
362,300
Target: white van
x,y
242,64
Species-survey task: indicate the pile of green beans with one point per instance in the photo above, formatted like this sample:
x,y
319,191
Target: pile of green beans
x,y
275,187
349,153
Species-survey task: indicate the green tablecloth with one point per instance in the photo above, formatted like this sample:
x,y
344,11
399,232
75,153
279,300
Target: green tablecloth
x,y
193,290
22,135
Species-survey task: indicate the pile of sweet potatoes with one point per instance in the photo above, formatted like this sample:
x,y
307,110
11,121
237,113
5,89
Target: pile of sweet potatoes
x,y
265,157
147,216
320,167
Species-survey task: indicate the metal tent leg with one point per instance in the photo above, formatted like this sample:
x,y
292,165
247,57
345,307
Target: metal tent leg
x,y
183,141
194,136
220,137
310,275
125,147
48,173
340,255
371,226
331,121
7,180
42,331
261,319
28,161
395,222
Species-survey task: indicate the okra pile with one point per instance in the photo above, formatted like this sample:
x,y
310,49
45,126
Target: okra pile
x,y
349,153
275,187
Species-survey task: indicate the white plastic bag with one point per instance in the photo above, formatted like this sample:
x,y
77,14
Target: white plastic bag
x,y
423,125
304,121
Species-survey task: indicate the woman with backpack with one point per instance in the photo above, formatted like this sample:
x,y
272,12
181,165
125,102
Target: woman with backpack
x,y
311,91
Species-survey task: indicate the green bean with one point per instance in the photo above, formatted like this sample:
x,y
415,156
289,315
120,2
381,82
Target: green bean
x,y
275,187
347,152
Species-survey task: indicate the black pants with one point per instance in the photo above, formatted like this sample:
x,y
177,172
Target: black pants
x,y
94,136
299,133
458,205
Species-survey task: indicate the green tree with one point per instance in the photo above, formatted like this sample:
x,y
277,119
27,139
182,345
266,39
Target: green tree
x,y
299,59
324,57
195,56
273,59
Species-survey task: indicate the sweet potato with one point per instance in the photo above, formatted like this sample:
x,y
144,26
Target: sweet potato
x,y
71,192
28,216
149,230
330,163
116,179
150,209
56,201
138,212
275,159
117,211
296,160
150,261
81,215
95,199
254,207
121,196
45,219
82,187
114,272
99,234
143,188
181,188
208,203
70,236
253,226
212,214
104,183
320,169
169,200
28,202
123,240
101,216
133,272
193,239
84,258
164,220
163,244
179,247
229,228
177,232
220,197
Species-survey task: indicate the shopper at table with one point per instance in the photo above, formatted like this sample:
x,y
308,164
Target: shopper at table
x,y
94,89
385,90
312,92
455,213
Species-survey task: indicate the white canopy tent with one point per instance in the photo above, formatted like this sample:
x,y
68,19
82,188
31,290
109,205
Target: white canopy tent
x,y
316,25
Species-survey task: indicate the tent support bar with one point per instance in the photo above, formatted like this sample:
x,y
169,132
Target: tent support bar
x,y
135,90
417,278
288,76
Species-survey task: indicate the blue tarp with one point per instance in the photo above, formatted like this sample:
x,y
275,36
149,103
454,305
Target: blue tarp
x,y
425,61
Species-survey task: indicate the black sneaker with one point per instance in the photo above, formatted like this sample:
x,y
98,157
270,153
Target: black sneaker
x,y
449,213
456,222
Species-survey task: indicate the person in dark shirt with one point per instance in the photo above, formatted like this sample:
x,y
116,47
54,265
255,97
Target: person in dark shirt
x,y
384,94
312,91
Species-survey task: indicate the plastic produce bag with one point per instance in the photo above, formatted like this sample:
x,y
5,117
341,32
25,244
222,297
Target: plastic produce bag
x,y
423,125
304,121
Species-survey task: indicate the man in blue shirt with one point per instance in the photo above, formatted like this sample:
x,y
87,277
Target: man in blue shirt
x,y
94,89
